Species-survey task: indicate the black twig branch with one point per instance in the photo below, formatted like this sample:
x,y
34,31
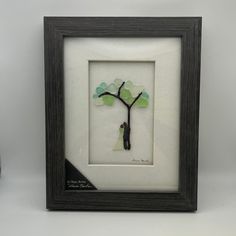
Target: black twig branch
x,y
135,100
118,96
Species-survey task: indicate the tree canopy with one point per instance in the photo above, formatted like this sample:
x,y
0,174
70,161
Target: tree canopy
x,y
127,91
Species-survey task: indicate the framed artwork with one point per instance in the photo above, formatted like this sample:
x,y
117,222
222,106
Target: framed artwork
x,y
122,107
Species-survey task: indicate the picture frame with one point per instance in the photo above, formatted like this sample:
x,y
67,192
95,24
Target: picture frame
x,y
85,196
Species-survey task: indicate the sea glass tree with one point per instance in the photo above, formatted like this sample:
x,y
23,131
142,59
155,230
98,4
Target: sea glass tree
x,y
129,95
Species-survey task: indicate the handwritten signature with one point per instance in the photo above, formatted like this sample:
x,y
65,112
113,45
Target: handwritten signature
x,y
81,184
140,160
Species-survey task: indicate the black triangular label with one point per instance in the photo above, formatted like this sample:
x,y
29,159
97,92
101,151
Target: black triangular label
x,y
75,180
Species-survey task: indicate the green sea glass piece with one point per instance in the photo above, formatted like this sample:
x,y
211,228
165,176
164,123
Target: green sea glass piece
x,y
145,94
108,100
141,102
136,90
100,90
118,82
98,101
125,94
103,85
112,88
130,100
129,85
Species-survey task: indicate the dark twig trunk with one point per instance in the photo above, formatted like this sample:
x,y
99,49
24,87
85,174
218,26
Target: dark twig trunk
x,y
129,129
126,136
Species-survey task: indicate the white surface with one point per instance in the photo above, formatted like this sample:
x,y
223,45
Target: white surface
x,y
22,213
84,140
22,187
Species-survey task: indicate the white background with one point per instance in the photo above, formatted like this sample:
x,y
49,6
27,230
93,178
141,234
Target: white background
x,y
22,185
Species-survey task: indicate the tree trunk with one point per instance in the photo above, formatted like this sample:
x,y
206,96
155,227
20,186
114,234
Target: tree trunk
x,y
126,136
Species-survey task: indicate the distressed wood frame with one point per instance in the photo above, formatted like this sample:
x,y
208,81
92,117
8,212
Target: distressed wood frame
x,y
189,29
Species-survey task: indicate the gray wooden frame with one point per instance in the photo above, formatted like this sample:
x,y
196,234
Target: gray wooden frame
x,y
189,30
